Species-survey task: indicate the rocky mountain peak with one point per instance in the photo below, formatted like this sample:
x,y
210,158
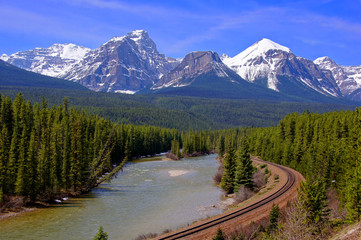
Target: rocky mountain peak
x,y
138,35
262,48
348,78
53,61
200,58
274,66
325,61
224,57
123,64
193,65
4,57
265,44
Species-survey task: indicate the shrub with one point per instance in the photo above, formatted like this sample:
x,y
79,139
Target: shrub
x,y
243,194
259,179
218,176
263,166
101,235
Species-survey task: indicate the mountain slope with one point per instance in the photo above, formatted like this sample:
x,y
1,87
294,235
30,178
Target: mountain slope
x,y
348,78
54,61
193,65
203,74
123,64
274,66
14,76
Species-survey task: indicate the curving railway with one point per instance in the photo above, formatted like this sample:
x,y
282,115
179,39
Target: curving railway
x,y
291,182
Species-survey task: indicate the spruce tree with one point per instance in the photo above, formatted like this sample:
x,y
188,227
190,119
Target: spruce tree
x,y
4,149
244,169
273,217
101,235
219,235
221,147
32,163
314,199
229,165
353,195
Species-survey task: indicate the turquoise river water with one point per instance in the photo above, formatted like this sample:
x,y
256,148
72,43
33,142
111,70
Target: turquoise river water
x,y
148,196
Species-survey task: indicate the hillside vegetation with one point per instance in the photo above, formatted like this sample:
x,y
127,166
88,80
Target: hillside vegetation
x,y
183,113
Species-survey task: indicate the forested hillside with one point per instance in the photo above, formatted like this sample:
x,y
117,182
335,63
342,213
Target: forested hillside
x,y
183,113
17,77
46,152
326,148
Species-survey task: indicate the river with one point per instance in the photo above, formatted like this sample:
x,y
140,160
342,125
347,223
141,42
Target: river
x,y
150,195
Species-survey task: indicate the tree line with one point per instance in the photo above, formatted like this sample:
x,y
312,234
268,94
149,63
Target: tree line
x,y
48,152
183,113
325,148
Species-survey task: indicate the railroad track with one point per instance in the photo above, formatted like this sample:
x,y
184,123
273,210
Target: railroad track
x,y
291,178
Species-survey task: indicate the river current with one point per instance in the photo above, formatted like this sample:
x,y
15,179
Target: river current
x,y
149,196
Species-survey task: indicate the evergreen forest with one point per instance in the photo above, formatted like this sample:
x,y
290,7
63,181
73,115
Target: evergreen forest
x,y
179,112
49,152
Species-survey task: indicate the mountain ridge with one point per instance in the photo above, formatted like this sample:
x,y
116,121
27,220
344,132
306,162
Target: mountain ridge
x,y
132,63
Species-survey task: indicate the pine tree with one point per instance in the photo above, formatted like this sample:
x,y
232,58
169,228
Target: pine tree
x,y
244,169
353,195
221,147
4,149
21,179
32,163
273,217
229,165
219,235
175,148
314,199
101,235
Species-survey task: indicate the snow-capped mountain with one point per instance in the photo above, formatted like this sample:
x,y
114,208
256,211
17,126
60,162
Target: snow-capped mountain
x,y
203,74
274,66
54,61
348,78
132,63
193,65
123,64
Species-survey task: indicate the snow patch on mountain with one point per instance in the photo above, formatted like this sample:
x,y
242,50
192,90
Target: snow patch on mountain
x,y
4,57
259,61
123,64
348,78
268,63
260,48
53,61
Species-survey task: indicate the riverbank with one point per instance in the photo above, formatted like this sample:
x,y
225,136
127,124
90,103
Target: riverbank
x,y
279,177
9,214
144,190
16,207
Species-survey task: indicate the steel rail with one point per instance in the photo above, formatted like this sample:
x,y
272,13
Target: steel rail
x,y
214,222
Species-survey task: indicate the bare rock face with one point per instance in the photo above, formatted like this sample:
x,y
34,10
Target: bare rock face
x,y
193,65
348,78
123,64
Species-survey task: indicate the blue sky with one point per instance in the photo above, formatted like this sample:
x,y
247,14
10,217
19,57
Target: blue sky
x,y
309,28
